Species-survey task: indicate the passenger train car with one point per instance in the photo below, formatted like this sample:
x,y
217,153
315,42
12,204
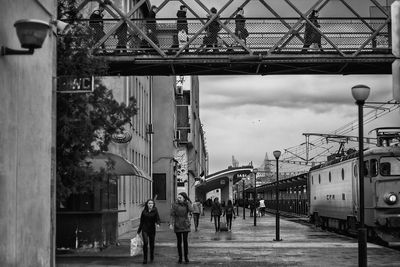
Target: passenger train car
x,y
333,192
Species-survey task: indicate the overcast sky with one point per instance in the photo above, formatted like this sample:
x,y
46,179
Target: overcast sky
x,y
247,116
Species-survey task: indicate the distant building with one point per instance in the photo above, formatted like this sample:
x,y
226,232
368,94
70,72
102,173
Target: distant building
x,y
165,165
191,153
180,155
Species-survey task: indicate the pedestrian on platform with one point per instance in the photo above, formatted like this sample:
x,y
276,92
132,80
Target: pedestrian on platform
x,y
197,210
229,212
211,38
311,36
149,219
252,208
240,25
216,212
262,207
96,23
180,223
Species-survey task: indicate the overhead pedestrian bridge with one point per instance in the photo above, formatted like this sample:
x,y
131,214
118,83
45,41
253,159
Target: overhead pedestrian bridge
x,y
223,180
352,41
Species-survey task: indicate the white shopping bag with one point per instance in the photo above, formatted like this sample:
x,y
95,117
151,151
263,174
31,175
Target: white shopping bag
x,y
136,245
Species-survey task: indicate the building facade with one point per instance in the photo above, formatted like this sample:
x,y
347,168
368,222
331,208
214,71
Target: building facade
x,y
134,190
164,144
191,153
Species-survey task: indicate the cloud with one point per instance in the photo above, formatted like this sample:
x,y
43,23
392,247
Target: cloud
x,y
320,94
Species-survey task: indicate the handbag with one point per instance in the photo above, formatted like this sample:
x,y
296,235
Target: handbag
x,y
136,245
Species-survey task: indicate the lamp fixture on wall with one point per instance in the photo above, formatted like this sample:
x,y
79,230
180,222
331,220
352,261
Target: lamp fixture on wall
x,y
31,34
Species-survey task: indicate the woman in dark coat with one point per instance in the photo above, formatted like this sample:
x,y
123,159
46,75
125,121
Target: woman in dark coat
x,y
148,221
182,23
216,212
180,222
211,38
312,36
229,212
240,25
151,24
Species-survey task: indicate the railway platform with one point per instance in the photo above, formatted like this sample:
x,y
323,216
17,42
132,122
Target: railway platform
x,y
246,245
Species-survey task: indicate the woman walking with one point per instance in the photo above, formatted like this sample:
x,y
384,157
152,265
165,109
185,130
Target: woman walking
x,y
240,25
197,210
311,35
149,219
216,212
229,212
180,222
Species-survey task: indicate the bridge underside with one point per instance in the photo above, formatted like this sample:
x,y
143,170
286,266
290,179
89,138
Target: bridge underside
x,y
212,64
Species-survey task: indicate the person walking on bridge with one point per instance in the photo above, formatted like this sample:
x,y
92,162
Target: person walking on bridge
x,y
96,23
216,212
311,35
211,38
240,25
151,25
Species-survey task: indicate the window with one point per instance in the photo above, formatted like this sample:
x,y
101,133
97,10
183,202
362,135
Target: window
x,y
355,170
342,174
330,177
366,168
319,178
343,196
312,179
374,167
160,186
389,166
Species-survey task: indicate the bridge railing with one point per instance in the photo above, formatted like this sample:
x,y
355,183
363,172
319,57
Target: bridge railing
x,y
344,36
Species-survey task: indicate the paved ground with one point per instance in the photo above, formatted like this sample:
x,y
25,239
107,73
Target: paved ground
x,y
246,245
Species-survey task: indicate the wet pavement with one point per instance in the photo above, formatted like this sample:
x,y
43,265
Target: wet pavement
x,y
246,245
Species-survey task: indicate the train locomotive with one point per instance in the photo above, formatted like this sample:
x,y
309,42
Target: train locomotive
x,y
333,191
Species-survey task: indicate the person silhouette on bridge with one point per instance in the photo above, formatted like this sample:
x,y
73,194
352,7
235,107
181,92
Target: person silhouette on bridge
x,y
96,23
151,25
211,38
240,25
122,34
312,36
182,23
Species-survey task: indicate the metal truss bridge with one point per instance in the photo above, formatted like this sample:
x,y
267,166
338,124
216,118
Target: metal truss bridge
x,y
357,43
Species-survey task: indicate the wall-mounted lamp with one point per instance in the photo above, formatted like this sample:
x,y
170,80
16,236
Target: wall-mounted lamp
x,y
31,34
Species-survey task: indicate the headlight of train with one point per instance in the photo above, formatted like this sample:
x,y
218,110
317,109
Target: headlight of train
x,y
390,198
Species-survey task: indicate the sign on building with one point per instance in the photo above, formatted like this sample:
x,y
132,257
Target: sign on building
x,y
70,84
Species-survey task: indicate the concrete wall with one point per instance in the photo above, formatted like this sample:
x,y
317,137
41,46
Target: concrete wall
x,y
164,125
27,142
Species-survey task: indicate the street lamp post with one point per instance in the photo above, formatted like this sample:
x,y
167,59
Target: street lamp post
x,y
237,199
244,202
277,154
360,94
255,196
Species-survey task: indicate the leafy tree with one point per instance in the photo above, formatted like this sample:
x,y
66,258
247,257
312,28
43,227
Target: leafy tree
x,y
82,119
